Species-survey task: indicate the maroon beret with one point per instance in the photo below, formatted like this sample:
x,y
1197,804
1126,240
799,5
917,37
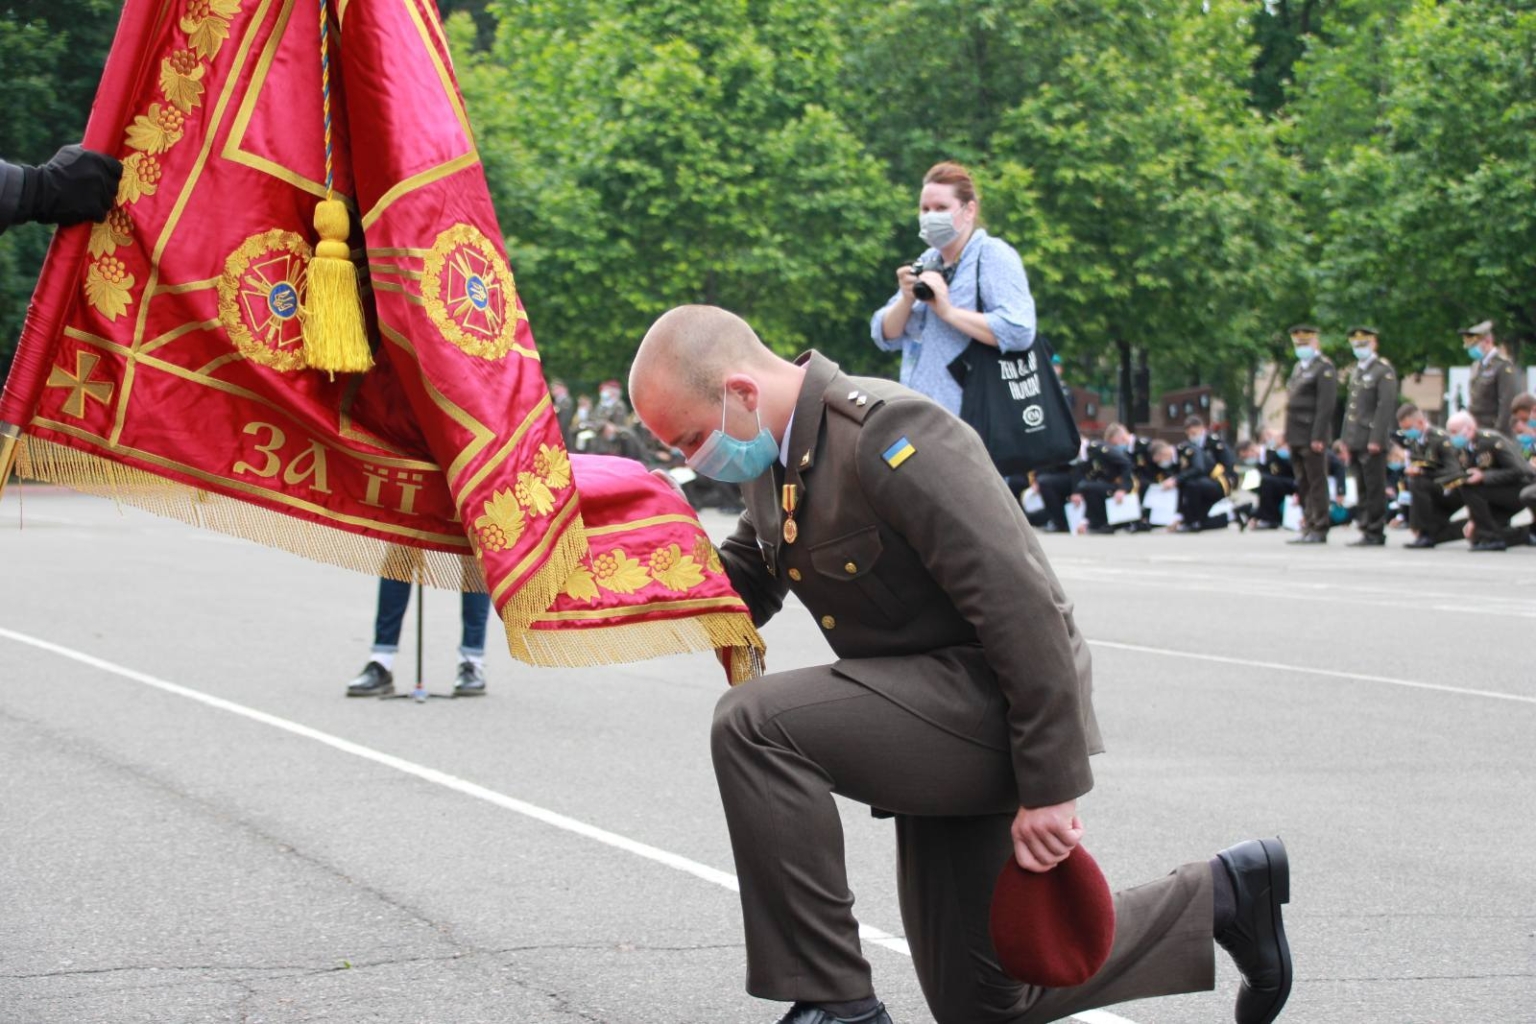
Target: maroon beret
x,y
1053,928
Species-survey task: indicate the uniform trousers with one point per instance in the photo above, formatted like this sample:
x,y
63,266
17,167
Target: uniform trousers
x,y
785,743
1528,499
1429,514
1371,478
1096,495
1055,489
1312,488
1195,500
1490,509
1272,491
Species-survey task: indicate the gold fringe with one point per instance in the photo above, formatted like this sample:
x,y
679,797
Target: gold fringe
x,y
8,445
534,596
90,474
639,641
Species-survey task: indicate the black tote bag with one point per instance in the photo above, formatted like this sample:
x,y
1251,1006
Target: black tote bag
x,y
1015,401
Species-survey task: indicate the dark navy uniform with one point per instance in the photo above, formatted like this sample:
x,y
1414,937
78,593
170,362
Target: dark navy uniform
x,y
1276,480
1435,488
1205,477
1106,470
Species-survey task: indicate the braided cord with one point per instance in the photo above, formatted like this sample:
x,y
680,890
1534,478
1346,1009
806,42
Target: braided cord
x,y
325,89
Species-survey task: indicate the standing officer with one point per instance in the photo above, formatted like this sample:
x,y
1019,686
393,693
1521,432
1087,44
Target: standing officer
x,y
1312,392
1494,380
1368,432
1205,477
1497,472
1107,473
1434,477
962,700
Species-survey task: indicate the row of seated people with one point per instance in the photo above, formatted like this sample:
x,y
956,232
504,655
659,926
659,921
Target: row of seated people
x,y
1201,467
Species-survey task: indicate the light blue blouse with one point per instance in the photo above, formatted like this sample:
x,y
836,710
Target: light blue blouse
x,y
928,344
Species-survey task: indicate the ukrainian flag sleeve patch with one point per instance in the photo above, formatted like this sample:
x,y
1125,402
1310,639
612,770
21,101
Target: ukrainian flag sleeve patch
x,y
898,453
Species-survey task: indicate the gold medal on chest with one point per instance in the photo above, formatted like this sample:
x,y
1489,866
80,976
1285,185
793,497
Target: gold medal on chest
x,y
790,503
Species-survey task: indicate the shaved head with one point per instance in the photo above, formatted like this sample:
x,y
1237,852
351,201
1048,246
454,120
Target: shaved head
x,y
695,347
701,368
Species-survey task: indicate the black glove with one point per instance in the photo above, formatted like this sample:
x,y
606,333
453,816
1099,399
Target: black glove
x,y
77,185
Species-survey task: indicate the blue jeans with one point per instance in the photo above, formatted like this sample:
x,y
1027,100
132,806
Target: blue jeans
x,y
395,597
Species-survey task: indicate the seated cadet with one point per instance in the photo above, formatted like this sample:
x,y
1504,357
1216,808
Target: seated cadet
x,y
1107,472
1497,471
1277,479
1205,477
1164,474
1434,474
1397,511
1054,484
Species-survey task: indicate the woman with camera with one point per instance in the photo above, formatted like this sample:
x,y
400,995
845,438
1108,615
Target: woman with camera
x,y
966,286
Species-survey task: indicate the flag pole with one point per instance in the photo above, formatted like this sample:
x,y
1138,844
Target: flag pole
x,y
419,695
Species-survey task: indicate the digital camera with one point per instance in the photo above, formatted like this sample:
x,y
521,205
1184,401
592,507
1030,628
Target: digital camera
x,y
921,266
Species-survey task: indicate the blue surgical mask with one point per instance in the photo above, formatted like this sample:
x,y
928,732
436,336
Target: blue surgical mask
x,y
1395,466
1165,465
732,460
1284,453
1460,441
1413,433
1362,352
1475,352
1119,447
1305,353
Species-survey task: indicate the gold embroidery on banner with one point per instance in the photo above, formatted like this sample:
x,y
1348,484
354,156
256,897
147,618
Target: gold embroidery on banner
x,y
675,570
502,525
705,553
260,296
80,384
108,285
469,293
618,572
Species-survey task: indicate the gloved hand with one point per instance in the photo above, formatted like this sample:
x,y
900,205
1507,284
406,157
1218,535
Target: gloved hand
x,y
77,185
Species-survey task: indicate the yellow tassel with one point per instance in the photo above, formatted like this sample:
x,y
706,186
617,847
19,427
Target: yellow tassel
x,y
334,338
9,434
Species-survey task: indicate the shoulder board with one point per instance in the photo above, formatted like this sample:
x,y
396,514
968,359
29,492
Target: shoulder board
x,y
855,403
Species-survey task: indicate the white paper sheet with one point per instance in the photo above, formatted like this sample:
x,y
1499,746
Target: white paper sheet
x,y
1162,505
1128,511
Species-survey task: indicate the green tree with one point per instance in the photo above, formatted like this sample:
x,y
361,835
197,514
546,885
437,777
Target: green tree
x,y
1153,202
643,156
1426,186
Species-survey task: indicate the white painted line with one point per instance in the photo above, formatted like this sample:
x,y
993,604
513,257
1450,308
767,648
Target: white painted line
x,y
679,863
1308,670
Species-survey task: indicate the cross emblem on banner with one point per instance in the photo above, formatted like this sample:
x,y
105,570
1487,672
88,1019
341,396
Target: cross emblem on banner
x,y
80,384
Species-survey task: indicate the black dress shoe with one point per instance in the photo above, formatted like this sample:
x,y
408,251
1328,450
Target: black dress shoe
x,y
1101,531
470,681
1490,545
1368,541
1265,524
1261,881
1309,538
810,1013
373,681
1420,544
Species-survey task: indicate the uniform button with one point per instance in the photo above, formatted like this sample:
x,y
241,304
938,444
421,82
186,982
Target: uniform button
x,y
850,568
828,622
794,574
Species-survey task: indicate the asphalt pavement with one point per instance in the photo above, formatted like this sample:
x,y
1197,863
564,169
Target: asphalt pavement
x,y
196,825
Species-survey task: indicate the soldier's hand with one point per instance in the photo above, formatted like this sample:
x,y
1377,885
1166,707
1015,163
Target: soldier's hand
x,y
1044,836
1475,476
1413,471
1318,447
1373,448
1077,499
1119,497
662,474
1170,484
77,185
